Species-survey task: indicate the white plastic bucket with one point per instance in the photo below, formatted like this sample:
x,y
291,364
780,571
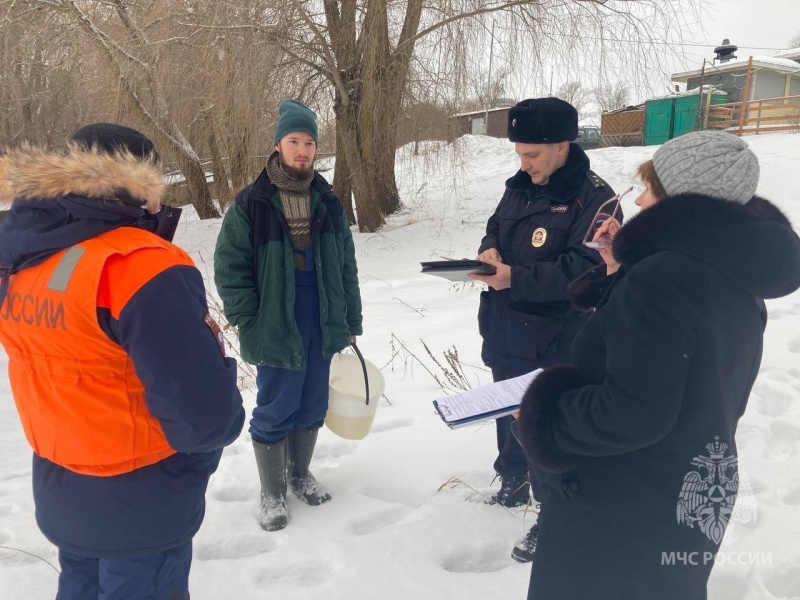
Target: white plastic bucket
x,y
349,414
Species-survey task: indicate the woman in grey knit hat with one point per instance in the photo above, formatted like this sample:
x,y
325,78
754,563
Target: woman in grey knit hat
x,y
635,438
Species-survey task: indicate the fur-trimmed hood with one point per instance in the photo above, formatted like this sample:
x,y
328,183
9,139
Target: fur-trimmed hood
x,y
753,244
29,172
62,199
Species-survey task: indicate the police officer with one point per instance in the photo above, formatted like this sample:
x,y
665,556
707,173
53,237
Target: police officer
x,y
534,239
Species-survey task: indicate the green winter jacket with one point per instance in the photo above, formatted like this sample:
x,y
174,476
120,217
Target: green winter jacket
x,y
254,274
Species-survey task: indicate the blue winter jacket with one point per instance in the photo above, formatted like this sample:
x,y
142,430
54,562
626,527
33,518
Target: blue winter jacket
x,y
162,505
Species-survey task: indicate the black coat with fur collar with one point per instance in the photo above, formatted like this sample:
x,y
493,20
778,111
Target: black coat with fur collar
x,y
660,376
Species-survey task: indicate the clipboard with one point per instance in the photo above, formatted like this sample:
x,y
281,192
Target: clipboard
x,y
457,270
444,413
490,401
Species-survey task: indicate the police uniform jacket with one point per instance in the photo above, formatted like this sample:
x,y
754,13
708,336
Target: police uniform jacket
x,y
538,231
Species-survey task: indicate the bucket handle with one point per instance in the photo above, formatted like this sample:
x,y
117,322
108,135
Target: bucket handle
x,y
364,368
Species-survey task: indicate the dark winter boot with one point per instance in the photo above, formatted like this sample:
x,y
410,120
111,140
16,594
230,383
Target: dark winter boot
x,y
524,550
271,462
301,449
514,491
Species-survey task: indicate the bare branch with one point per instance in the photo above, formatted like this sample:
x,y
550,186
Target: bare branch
x,y
502,6
267,27
324,72
136,33
330,60
89,27
461,16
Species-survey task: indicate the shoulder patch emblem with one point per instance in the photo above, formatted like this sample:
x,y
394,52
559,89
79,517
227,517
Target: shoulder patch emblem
x,y
559,209
219,337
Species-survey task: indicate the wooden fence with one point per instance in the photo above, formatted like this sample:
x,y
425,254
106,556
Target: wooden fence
x,y
623,128
757,116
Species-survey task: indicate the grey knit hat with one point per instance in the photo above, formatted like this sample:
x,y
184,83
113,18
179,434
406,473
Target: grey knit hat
x,y
712,163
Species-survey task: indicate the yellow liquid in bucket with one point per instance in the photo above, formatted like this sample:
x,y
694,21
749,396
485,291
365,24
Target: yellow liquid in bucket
x,y
351,428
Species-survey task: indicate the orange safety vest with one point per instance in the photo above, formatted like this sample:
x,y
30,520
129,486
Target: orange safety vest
x,y
81,404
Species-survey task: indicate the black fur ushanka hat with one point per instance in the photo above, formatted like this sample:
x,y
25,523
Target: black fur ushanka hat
x,y
542,121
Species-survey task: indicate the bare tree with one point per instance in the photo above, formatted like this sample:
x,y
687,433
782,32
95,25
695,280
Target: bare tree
x,y
794,42
577,95
202,78
611,96
135,60
365,50
205,78
40,95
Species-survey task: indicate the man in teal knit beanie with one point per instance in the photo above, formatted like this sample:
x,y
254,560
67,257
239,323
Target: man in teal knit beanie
x,y
293,115
285,268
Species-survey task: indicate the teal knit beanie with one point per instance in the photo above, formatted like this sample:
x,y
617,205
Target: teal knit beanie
x,y
293,115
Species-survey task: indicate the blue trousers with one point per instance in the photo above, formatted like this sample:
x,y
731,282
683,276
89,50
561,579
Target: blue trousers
x,y
290,399
160,576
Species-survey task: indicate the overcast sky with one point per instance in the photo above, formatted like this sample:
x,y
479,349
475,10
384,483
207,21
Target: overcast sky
x,y
758,27
675,42
758,24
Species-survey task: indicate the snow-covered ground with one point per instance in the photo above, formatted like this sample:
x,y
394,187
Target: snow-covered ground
x,y
404,523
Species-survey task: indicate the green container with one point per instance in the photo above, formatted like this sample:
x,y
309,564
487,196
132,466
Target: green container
x,y
687,117
659,116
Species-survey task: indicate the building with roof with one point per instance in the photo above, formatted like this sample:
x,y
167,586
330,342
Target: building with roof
x,y
774,76
492,121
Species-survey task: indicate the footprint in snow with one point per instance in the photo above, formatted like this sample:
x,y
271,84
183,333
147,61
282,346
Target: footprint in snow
x,y
243,490
379,521
775,374
335,449
793,497
486,559
783,442
757,485
309,573
794,345
776,397
237,448
13,476
393,495
730,586
776,314
782,580
392,424
236,546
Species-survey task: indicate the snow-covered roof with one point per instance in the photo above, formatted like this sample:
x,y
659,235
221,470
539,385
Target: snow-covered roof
x,y
625,109
478,112
791,53
692,92
774,63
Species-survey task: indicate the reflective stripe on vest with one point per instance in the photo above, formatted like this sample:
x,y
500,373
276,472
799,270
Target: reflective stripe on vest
x,y
81,404
66,266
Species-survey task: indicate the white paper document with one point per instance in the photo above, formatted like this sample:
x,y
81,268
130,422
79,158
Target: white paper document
x,y
486,402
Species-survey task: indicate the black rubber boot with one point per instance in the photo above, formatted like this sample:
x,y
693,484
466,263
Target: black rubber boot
x,y
523,552
271,462
514,491
302,482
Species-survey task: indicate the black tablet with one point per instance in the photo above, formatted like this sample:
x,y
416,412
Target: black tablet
x,y
457,270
